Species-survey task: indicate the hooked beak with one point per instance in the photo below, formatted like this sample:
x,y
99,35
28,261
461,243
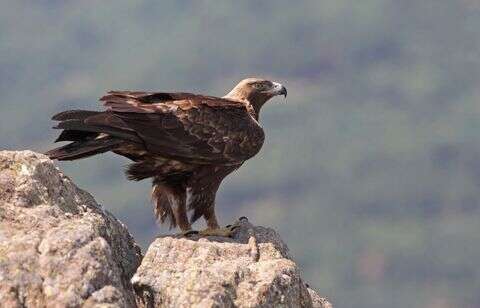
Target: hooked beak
x,y
279,89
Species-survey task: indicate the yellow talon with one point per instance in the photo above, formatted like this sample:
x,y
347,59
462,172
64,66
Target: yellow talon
x,y
225,232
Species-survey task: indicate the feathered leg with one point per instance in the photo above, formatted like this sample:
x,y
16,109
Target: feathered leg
x,y
211,218
170,204
177,200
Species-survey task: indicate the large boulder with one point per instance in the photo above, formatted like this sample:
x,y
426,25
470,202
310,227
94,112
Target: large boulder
x,y
58,247
253,269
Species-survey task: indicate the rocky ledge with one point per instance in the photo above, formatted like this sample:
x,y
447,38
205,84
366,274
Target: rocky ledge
x,y
59,248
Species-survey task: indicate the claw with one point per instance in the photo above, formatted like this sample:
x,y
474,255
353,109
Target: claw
x,y
190,233
233,228
225,232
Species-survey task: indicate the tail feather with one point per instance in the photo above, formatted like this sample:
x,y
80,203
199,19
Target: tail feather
x,y
74,114
75,135
82,149
80,125
88,137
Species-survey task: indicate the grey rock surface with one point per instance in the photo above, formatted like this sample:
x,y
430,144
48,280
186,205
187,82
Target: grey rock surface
x,y
318,301
58,247
253,269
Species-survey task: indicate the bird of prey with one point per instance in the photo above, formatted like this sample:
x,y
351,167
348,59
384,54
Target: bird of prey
x,y
187,143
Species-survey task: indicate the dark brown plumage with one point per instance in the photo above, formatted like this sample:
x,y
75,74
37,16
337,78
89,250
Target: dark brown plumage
x,y
187,143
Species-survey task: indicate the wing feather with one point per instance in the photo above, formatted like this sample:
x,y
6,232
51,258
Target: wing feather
x,y
185,126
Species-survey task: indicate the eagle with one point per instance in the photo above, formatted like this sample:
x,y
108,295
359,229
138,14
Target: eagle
x,y
186,143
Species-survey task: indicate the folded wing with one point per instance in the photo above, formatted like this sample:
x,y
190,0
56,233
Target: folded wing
x,y
182,126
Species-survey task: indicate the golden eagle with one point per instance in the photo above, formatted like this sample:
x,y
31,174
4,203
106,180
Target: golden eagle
x,y
187,143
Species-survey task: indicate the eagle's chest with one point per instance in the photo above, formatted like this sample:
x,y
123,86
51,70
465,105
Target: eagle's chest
x,y
244,142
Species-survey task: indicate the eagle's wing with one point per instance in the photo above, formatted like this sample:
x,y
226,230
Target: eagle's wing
x,y
184,126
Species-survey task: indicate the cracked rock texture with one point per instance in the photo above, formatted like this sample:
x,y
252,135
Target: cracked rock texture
x,y
253,269
59,248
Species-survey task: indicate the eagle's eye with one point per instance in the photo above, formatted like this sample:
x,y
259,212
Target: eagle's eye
x,y
259,86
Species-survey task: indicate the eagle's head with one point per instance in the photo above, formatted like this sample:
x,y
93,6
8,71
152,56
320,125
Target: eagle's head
x,y
256,91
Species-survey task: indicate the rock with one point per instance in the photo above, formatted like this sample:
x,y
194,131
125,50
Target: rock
x,y
318,301
253,269
58,247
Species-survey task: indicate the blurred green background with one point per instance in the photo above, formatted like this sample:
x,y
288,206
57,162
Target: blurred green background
x,y
371,169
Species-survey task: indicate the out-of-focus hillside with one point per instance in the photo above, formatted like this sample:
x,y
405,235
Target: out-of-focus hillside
x,y
370,170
